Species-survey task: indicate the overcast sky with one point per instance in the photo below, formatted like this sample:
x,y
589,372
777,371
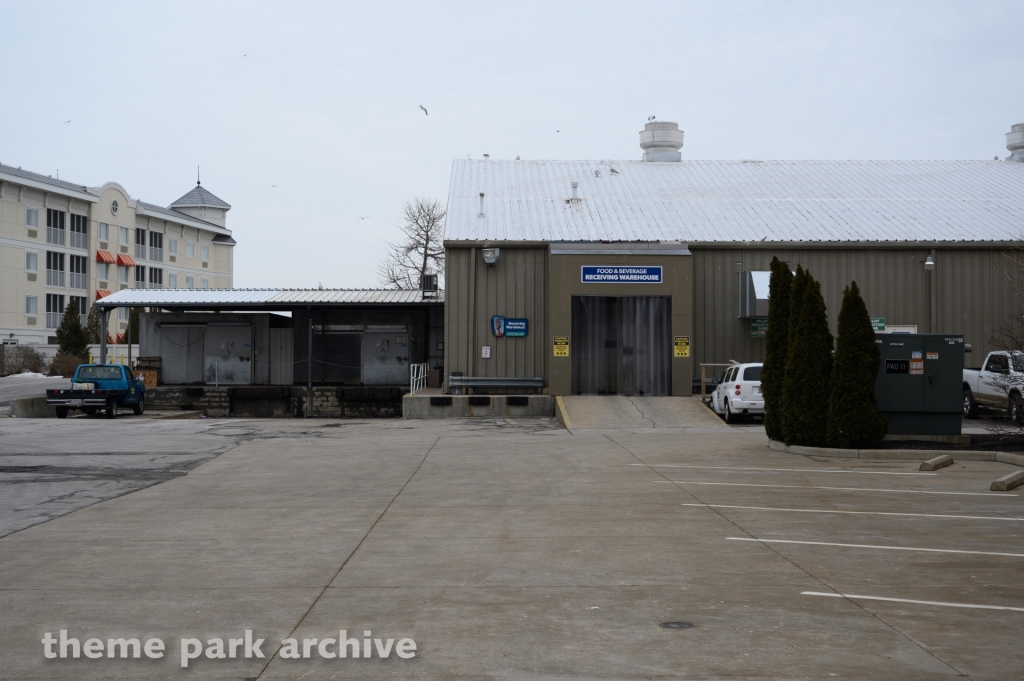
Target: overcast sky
x,y
324,104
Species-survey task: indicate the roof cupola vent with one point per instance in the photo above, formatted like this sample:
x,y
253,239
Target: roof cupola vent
x,y
661,141
1015,142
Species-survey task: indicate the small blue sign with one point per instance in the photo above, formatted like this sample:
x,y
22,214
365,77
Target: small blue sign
x,y
515,328
616,274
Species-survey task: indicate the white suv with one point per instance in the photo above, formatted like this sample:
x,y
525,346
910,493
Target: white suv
x,y
739,392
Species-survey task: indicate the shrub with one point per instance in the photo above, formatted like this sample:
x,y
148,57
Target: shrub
x,y
808,368
65,363
21,358
852,419
776,344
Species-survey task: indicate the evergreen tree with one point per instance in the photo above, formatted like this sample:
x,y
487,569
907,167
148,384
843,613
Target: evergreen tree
x,y
71,338
776,344
92,325
133,325
852,419
808,368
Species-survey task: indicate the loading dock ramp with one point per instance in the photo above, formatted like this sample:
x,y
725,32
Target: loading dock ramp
x,y
578,412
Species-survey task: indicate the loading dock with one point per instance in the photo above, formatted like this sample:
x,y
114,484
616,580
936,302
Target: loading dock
x,y
329,352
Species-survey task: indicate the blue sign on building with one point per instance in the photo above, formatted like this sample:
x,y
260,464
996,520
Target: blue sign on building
x,y
515,327
616,274
511,327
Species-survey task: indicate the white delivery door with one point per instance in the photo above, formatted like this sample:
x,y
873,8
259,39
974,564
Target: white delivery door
x,y
228,355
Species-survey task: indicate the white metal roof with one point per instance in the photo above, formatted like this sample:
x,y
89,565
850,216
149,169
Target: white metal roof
x,y
737,201
263,297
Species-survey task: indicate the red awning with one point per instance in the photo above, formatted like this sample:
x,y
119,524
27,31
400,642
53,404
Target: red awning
x,y
105,256
126,260
102,293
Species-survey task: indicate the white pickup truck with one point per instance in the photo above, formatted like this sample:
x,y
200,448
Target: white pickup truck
x,y
996,384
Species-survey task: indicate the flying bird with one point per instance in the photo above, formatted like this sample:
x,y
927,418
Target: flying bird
x,y
244,55
366,218
487,155
597,173
66,122
650,118
517,157
558,131
425,112
613,171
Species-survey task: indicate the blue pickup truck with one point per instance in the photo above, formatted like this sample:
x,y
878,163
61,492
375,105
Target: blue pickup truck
x,y
96,387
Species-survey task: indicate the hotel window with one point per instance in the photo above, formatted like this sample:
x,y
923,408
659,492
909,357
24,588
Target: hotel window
x,y
140,276
140,244
190,249
32,218
172,246
54,269
103,271
156,277
77,265
123,235
103,231
79,231
156,246
82,303
205,251
55,230
205,283
31,304
172,279
31,261
54,310
122,274
190,282
122,313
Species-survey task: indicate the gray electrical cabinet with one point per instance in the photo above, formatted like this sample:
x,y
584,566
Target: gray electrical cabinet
x,y
919,388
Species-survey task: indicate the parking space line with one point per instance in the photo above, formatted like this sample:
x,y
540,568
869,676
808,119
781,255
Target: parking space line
x,y
780,470
910,600
844,489
873,546
822,510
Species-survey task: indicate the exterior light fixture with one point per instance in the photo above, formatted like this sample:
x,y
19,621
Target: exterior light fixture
x,y
490,255
929,264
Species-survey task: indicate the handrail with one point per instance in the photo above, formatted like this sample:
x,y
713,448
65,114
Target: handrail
x,y
417,377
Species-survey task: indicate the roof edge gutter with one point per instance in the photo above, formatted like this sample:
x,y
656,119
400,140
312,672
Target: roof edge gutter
x,y
851,245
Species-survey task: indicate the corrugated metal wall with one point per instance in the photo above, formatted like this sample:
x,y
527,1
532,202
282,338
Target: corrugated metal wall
x,y
971,296
515,286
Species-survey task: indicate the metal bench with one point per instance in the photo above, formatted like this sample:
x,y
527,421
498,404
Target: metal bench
x,y
458,382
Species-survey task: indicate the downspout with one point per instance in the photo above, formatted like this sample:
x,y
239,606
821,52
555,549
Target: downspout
x,y
472,313
933,302
309,366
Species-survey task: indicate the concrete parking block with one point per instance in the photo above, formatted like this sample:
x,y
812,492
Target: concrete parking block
x,y
937,463
1008,482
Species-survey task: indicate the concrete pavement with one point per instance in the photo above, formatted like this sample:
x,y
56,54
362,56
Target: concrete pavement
x,y
519,550
17,386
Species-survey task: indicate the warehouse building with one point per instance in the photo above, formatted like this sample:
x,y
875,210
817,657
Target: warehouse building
x,y
623,277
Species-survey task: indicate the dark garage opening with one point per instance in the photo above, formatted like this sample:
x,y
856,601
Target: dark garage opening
x,y
622,345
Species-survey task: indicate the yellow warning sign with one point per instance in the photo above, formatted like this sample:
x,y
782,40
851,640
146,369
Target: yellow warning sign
x,y
561,346
682,346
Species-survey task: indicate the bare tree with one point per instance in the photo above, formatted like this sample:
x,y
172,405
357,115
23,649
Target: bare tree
x,y
420,250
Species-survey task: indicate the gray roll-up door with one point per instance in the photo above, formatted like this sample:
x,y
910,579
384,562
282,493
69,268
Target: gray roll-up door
x,y
622,345
181,353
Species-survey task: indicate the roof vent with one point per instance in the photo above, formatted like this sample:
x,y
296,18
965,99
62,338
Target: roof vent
x,y
661,141
1015,142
